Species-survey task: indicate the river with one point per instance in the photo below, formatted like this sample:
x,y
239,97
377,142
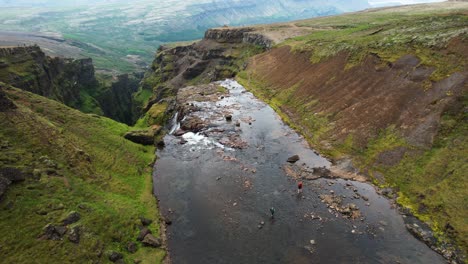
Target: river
x,y
217,187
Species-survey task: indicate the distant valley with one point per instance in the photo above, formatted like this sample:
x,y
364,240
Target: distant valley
x,y
123,36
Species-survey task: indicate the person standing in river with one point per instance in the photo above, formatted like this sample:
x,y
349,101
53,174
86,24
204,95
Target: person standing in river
x,y
272,212
299,187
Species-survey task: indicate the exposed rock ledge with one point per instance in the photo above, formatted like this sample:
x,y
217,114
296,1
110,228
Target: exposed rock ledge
x,y
239,35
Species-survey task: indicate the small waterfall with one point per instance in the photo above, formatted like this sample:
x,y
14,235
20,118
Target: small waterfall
x,y
175,125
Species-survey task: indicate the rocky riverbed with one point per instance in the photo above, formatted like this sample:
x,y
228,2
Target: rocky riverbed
x,y
230,158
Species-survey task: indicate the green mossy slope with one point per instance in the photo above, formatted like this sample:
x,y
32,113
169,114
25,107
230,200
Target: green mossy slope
x,y
74,162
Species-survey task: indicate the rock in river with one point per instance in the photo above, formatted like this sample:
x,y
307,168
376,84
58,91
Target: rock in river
x,y
293,159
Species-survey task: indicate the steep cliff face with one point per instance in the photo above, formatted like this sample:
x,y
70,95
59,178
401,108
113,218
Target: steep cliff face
x,y
70,81
30,69
117,102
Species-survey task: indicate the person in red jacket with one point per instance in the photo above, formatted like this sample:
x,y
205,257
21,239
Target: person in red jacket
x,y
299,187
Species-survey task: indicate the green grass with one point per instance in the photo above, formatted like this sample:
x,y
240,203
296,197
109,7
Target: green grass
x,y
110,191
390,35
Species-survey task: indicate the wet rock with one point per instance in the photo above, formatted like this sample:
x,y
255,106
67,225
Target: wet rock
x,y
179,133
168,222
293,159
74,235
421,234
143,233
183,142
322,172
143,137
145,221
193,124
52,232
132,247
151,241
161,144
115,256
72,217
228,118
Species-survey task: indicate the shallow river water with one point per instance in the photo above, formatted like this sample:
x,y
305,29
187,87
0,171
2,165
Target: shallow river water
x,y
217,197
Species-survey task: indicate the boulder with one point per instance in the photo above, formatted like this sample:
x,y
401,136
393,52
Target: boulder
x,y
132,247
293,159
72,217
52,232
115,256
143,232
143,137
322,172
74,235
145,221
151,241
193,124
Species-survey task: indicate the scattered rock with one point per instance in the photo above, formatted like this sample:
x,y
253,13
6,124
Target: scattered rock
x,y
312,242
293,159
322,172
74,235
52,232
238,124
143,233
115,256
132,247
193,124
151,241
72,217
145,221
228,118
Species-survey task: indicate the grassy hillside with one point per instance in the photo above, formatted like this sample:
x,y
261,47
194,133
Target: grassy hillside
x,y
73,162
386,88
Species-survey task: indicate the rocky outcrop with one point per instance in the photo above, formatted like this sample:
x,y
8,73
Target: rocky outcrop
x,y
221,54
239,35
57,78
70,81
9,176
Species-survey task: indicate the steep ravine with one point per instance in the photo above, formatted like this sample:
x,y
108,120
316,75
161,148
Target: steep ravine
x,y
397,120
72,82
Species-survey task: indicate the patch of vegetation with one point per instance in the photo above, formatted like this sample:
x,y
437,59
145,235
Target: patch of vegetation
x,y
390,35
76,162
433,184
155,116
